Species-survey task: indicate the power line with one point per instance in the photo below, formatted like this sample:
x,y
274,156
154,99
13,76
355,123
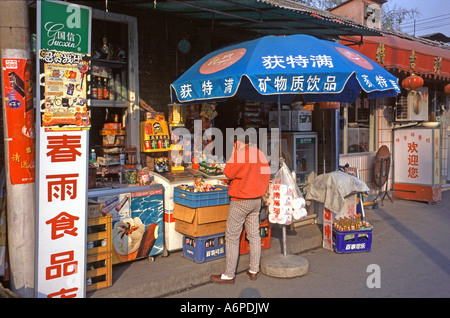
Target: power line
x,y
422,25
441,17
417,27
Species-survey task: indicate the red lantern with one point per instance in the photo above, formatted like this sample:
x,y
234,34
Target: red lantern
x,y
412,82
447,89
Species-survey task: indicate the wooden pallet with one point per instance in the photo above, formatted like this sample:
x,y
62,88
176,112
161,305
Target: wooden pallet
x,y
99,253
99,271
99,236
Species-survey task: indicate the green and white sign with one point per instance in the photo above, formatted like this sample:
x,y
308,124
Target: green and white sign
x,y
65,27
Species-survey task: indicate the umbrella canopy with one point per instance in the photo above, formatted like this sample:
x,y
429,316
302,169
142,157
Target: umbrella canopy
x,y
284,66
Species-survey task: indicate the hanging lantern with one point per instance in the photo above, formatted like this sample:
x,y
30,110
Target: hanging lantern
x,y
412,82
447,89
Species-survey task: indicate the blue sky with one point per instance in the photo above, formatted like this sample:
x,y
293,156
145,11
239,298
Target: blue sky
x,y
434,15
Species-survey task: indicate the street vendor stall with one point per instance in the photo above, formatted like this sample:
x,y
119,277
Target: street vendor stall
x,y
275,68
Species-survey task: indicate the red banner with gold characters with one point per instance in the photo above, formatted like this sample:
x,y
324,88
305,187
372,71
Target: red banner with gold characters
x,y
19,112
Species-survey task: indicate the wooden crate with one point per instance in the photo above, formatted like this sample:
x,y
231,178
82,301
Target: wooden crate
x,y
99,271
99,237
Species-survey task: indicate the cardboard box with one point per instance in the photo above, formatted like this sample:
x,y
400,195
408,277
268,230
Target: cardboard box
x,y
94,209
200,221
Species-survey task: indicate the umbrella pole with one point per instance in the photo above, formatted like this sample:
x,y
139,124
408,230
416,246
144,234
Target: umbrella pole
x,y
283,230
323,141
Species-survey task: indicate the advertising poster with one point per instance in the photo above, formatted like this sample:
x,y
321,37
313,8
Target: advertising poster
x,y
137,219
19,112
64,93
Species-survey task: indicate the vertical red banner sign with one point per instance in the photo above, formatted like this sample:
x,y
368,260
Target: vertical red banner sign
x,y
19,119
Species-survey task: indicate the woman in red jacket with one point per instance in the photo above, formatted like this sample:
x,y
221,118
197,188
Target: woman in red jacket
x,y
249,173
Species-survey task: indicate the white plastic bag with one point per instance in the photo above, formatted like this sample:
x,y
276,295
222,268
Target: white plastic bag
x,y
285,201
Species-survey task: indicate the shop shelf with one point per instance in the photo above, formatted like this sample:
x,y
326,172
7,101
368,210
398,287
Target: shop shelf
x,y
204,248
352,241
200,199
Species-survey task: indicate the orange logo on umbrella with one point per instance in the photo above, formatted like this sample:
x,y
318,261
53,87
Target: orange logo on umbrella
x,y
222,61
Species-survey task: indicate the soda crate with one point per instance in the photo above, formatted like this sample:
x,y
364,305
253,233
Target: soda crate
x,y
98,271
205,248
99,237
352,241
201,199
265,229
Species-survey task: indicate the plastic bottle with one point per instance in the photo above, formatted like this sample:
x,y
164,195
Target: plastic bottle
x,y
118,87
99,88
94,93
105,89
112,89
93,154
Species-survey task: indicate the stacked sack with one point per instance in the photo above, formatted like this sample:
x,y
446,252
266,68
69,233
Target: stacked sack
x,y
285,201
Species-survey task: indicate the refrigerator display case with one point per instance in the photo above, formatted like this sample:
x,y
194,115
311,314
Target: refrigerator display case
x,y
299,151
417,164
137,220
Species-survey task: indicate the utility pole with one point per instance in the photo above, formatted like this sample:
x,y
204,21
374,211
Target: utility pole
x,y
15,44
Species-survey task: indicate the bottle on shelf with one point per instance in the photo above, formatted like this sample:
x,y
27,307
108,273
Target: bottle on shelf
x,y
105,89
124,90
99,88
118,87
94,93
111,89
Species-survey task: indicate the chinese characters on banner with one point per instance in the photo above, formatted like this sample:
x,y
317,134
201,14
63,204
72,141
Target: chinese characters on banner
x,y
63,119
416,156
19,119
62,211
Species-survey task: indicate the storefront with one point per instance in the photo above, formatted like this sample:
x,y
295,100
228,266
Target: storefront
x,y
369,124
120,134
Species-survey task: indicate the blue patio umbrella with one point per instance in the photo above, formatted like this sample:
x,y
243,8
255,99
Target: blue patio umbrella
x,y
273,67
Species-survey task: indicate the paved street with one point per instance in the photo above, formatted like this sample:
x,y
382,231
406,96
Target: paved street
x,y
410,251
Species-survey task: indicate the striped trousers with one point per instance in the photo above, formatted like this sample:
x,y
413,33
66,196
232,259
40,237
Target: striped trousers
x,y
245,212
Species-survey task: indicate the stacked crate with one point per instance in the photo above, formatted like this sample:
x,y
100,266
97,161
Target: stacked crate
x,y
99,253
201,218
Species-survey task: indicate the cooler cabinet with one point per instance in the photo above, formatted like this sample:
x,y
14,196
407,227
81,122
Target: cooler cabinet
x,y
299,151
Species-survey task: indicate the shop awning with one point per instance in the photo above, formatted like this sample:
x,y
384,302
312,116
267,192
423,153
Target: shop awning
x,y
266,17
407,55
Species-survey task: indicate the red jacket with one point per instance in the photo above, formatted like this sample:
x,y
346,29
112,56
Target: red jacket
x,y
249,172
